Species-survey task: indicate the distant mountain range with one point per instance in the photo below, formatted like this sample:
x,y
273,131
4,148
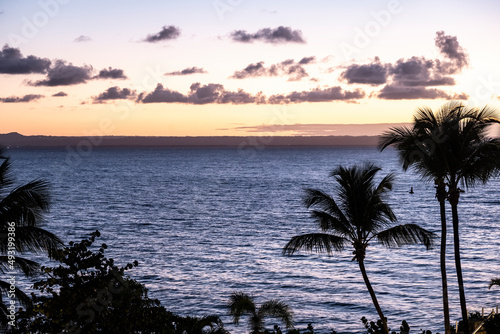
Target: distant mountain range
x,y
15,139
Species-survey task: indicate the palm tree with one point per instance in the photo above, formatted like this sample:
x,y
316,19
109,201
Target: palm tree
x,y
451,147
429,163
240,303
358,216
21,212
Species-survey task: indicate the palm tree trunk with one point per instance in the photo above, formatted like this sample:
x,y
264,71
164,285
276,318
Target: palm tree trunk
x,y
454,195
372,294
441,195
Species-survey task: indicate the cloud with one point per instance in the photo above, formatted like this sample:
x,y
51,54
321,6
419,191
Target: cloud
x,y
411,93
115,93
82,38
307,60
449,47
411,78
60,94
187,71
302,129
162,95
293,70
166,33
25,98
216,94
62,74
371,74
251,71
418,71
198,94
111,73
13,62
318,95
275,36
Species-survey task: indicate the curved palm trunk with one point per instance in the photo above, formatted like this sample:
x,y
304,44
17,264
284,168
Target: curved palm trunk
x,y
372,294
441,195
454,195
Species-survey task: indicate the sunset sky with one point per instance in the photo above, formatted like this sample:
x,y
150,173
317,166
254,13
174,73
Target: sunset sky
x,y
239,67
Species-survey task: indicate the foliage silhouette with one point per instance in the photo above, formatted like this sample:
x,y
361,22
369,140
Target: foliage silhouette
x,y
241,304
88,293
358,216
21,214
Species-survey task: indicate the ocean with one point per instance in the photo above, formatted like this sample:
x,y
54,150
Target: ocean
x,y
203,223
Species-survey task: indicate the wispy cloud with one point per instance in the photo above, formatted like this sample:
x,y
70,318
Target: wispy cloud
x,y
288,68
166,33
302,129
82,38
25,98
60,94
275,36
188,71
390,92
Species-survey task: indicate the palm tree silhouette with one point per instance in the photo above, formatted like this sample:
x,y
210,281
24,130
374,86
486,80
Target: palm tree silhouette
x,y
452,148
241,303
429,163
357,217
21,212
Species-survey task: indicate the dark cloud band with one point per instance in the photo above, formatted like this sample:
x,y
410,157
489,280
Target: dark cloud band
x,y
25,98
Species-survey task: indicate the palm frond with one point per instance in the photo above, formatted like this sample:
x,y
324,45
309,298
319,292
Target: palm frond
x,y
277,309
25,204
240,303
406,234
31,238
23,298
319,242
386,184
494,281
328,223
321,200
6,179
28,267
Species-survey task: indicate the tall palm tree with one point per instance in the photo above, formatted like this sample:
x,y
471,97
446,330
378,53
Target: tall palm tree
x,y
21,212
358,216
413,153
241,303
451,146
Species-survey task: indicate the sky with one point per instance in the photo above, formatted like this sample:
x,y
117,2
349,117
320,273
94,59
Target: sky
x,y
240,67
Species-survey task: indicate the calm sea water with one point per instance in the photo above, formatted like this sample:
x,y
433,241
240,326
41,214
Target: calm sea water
x,y
206,222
